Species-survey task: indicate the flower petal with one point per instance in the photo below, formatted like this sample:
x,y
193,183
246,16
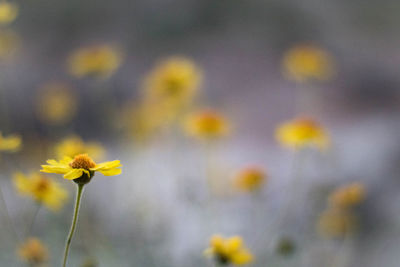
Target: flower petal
x,y
73,174
107,165
110,172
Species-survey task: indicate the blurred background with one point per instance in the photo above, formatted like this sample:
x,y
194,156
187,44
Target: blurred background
x,y
175,190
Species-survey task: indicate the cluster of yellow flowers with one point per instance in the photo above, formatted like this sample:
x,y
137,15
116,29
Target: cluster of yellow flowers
x,y
33,252
226,251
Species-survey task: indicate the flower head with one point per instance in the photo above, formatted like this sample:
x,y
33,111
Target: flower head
x,y
307,62
227,251
10,143
41,188
97,60
56,103
74,145
336,223
207,124
33,252
302,132
8,12
81,168
250,179
347,196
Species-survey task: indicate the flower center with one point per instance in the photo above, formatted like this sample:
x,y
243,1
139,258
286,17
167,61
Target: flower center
x,y
42,185
82,161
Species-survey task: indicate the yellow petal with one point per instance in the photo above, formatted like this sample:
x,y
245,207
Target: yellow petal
x,y
242,257
110,172
107,165
233,244
55,169
73,174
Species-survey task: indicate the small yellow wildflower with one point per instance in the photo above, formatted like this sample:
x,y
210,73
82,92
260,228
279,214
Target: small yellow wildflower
x,y
348,196
307,62
96,60
176,79
81,168
74,145
302,132
56,103
9,42
33,252
8,12
226,251
336,223
207,124
250,179
41,188
10,143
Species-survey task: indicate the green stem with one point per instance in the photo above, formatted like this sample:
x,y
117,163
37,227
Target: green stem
x,y
74,220
32,221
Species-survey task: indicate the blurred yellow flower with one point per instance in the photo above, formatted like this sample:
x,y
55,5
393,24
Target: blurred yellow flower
x,y
10,143
41,188
174,79
206,124
74,145
9,42
100,60
308,62
336,223
348,196
226,251
302,132
33,252
81,168
8,12
56,103
250,179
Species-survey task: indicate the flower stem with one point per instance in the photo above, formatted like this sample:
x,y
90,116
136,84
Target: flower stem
x,y
7,216
73,225
32,220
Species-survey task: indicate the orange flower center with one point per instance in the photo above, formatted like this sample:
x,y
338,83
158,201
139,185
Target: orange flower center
x,y
82,161
42,185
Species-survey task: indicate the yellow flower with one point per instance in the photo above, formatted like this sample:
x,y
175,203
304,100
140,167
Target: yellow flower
x,y
307,62
9,42
227,251
97,60
8,12
81,168
207,124
33,252
10,143
174,79
302,132
250,179
336,223
41,188
56,103
74,145
348,196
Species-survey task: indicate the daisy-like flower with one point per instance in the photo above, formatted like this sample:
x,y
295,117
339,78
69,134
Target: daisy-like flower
x,y
336,223
81,168
347,196
10,143
250,179
207,124
226,251
8,12
303,63
302,132
41,188
33,252
74,145
96,60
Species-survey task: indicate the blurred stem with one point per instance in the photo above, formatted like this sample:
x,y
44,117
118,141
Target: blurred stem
x,y
32,221
74,220
7,216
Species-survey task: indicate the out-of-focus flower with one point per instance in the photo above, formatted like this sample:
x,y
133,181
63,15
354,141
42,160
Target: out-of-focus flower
x,y
206,124
285,247
81,168
74,145
56,103
8,12
9,42
90,262
41,188
308,62
100,60
10,143
33,252
348,196
250,179
226,251
174,79
336,223
302,132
